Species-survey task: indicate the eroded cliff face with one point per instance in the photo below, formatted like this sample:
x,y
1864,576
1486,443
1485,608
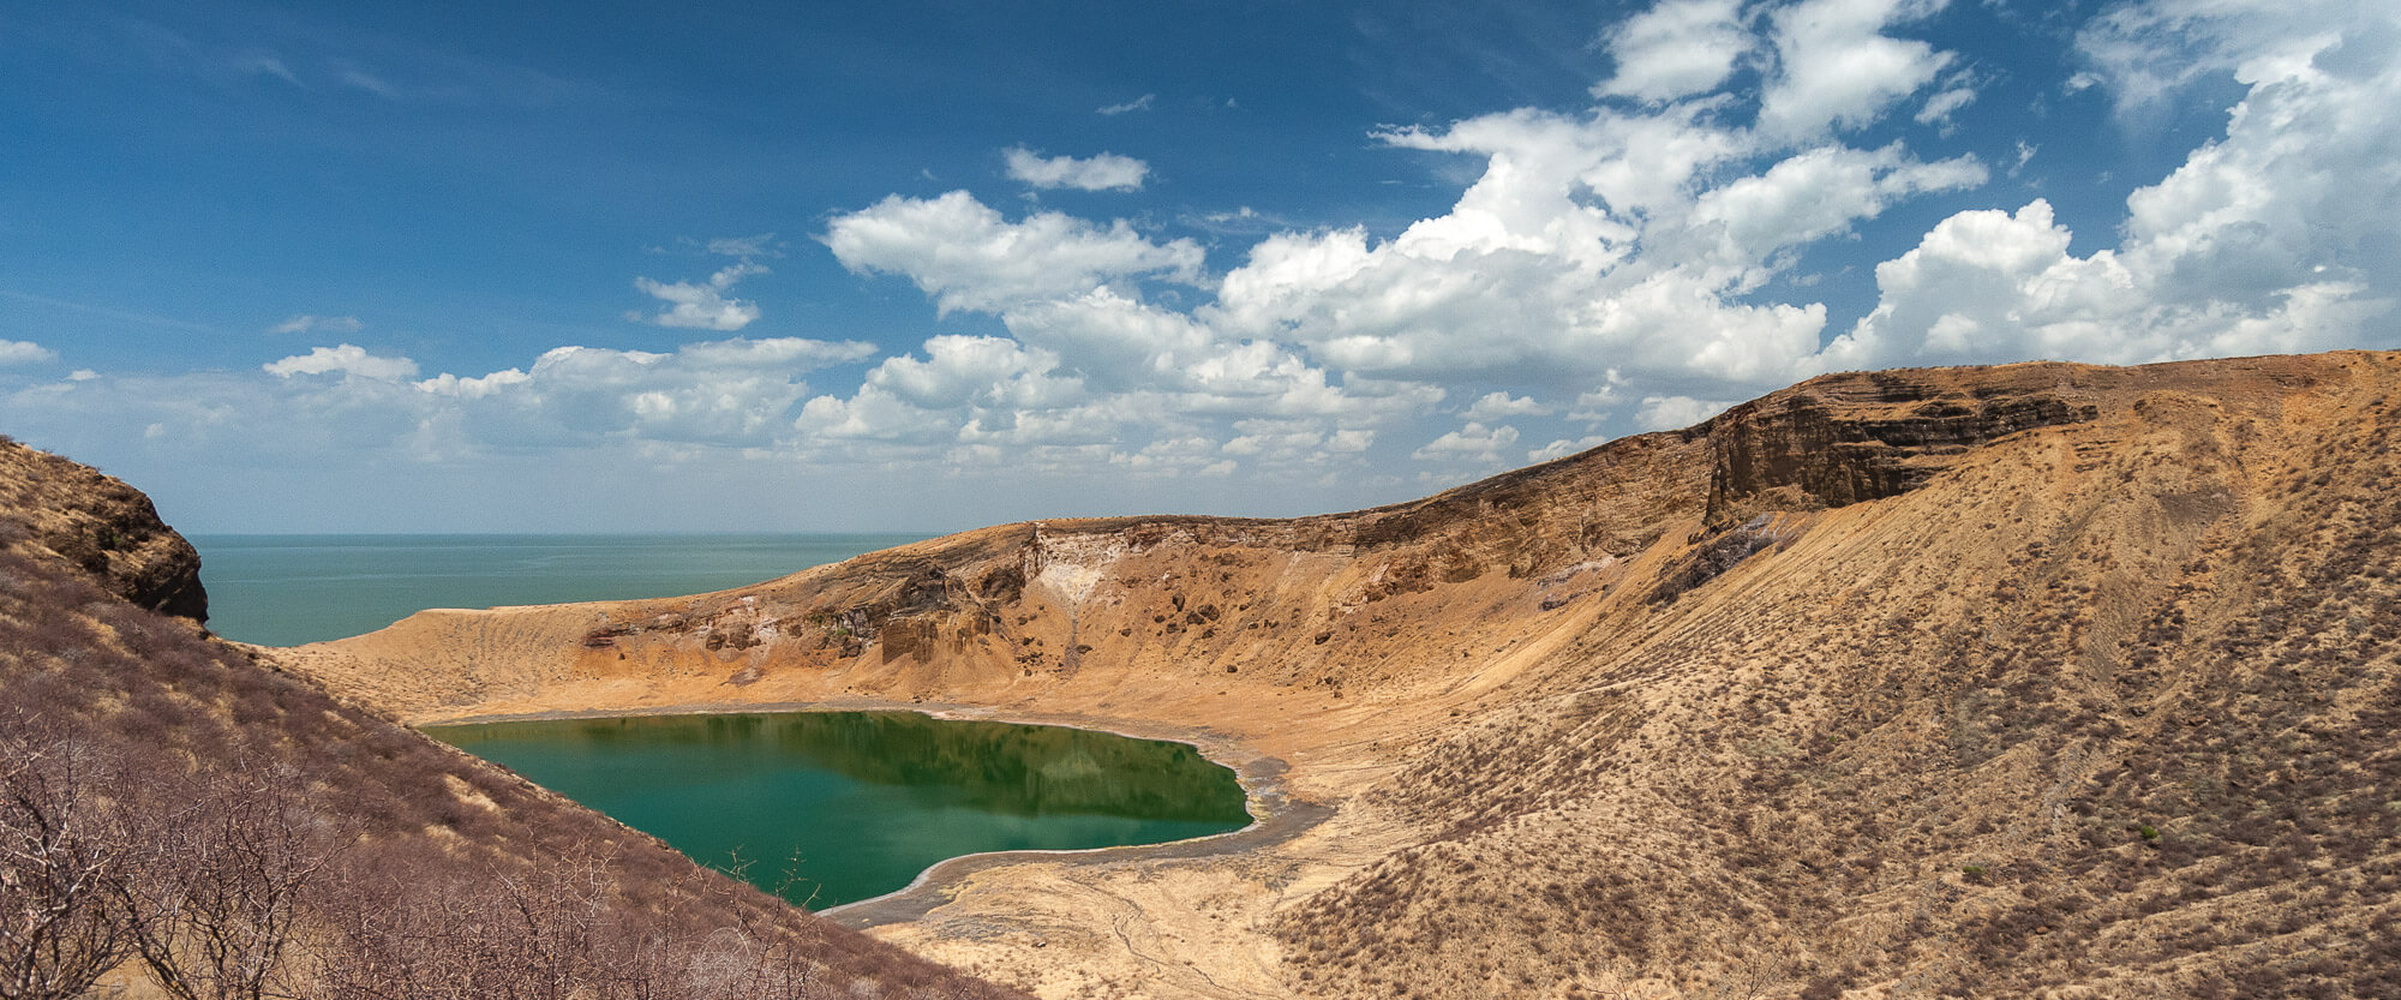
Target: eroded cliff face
x,y
1868,683
104,527
1842,439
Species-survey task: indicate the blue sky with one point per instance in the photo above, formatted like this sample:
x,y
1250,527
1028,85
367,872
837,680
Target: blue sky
x,y
922,266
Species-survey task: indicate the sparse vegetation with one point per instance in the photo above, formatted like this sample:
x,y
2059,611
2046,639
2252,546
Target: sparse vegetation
x,y
2052,680
170,806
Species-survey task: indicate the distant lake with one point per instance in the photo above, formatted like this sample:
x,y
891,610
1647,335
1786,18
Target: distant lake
x,y
284,590
865,800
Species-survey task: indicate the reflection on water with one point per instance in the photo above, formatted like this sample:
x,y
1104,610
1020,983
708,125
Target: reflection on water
x,y
866,800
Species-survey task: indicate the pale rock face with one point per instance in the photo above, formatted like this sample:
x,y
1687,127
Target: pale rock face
x,y
1072,566
1638,697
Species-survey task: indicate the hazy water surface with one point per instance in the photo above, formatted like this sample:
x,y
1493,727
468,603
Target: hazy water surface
x,y
865,800
283,590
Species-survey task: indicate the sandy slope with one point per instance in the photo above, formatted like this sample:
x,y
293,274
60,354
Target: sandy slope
x,y
1856,687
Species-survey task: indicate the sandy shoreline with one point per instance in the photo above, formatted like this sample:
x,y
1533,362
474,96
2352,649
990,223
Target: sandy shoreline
x,y
1276,817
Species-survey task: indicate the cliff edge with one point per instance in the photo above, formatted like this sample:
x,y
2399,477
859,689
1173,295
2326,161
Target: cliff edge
x,y
106,528
174,811
2044,679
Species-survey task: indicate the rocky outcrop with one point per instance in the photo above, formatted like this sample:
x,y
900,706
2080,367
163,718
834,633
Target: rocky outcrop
x,y
2044,679
104,527
1843,439
144,760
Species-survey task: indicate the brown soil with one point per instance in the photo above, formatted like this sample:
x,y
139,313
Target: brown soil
x,y
2041,679
150,771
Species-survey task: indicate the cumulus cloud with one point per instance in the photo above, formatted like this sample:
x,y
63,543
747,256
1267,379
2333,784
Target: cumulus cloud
x,y
2146,53
1499,405
1667,413
345,359
2275,237
967,256
1677,48
702,306
1836,67
24,352
1105,172
1474,443
344,401
309,323
726,392
1618,241
1632,265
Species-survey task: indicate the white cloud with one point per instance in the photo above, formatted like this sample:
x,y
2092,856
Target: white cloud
x,y
745,247
1117,342
2274,238
363,80
702,306
1142,103
24,352
1563,447
1940,107
1642,257
475,387
983,392
1613,242
1676,49
967,256
1812,195
1105,172
2146,53
725,392
308,323
1667,413
795,354
267,65
1836,68
1499,405
346,359
1476,443
1594,406
873,413
990,370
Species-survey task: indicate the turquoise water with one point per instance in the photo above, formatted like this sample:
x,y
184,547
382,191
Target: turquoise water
x,y
284,590
863,800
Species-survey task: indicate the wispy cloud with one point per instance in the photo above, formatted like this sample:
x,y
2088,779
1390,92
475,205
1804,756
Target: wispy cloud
x,y
24,352
267,65
1142,103
762,245
702,306
1105,172
120,315
311,323
369,82
1242,221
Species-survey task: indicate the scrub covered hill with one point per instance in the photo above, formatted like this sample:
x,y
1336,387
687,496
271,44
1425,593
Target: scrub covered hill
x,y
176,816
2044,679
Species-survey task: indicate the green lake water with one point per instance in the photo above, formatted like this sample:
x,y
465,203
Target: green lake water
x,y
866,800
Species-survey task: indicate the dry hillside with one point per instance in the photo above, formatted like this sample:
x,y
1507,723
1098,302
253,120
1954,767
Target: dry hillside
x,y
178,820
2045,679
